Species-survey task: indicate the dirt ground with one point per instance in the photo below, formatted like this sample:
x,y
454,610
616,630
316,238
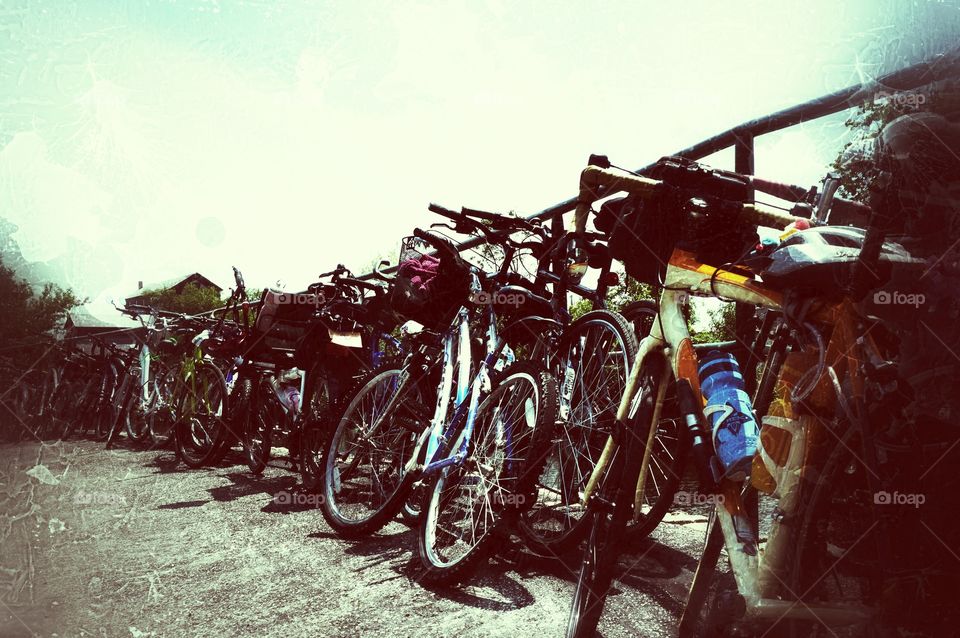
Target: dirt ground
x,y
128,543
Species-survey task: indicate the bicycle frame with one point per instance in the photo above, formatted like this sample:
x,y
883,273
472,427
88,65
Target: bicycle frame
x,y
467,391
670,338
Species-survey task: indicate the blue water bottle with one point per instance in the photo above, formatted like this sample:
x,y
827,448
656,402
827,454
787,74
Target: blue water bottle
x,y
729,413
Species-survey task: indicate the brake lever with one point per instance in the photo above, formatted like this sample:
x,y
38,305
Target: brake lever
x,y
447,226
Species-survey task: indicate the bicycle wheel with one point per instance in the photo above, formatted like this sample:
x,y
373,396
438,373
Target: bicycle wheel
x,y
312,434
50,383
124,400
106,411
137,426
72,402
200,425
364,481
256,424
161,412
610,510
597,352
466,504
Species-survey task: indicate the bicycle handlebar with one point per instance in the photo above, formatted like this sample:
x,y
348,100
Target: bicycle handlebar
x,y
442,244
359,283
593,178
597,182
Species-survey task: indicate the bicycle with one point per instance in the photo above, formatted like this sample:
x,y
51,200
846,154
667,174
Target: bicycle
x,y
592,357
296,359
472,459
688,195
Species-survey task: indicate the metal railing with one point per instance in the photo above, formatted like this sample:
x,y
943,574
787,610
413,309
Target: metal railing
x,y
742,137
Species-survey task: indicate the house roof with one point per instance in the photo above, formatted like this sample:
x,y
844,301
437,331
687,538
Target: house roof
x,y
173,282
89,317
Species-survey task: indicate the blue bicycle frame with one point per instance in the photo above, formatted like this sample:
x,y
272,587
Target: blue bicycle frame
x,y
457,342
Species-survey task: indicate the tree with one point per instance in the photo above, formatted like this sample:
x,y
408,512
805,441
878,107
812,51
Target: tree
x,y
191,300
868,121
27,318
722,325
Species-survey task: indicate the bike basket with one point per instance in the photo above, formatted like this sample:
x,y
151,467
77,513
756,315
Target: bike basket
x,y
428,289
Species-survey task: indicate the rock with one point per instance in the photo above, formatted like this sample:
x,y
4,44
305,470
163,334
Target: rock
x,y
43,474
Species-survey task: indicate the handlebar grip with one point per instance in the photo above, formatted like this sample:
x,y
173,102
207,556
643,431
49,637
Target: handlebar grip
x,y
445,212
482,214
765,216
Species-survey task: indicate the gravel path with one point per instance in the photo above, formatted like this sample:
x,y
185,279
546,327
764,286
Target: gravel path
x,y
127,543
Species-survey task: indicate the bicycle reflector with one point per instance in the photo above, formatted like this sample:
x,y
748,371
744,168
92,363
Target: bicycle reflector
x,y
576,270
610,279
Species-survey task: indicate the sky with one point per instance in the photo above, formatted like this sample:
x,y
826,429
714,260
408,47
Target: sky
x,y
143,140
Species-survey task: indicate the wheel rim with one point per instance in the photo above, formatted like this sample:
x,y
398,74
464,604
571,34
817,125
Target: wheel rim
x,y
202,414
467,500
599,362
364,468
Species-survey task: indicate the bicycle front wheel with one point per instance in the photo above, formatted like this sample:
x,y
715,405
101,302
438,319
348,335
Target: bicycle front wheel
x,y
466,502
201,426
364,481
257,427
161,411
610,510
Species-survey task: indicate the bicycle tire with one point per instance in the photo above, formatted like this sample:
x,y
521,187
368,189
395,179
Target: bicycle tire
x,y
257,431
312,432
332,479
105,412
610,514
670,442
198,434
136,421
555,524
162,411
518,449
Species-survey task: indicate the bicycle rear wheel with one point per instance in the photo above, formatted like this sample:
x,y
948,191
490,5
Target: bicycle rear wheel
x,y
597,352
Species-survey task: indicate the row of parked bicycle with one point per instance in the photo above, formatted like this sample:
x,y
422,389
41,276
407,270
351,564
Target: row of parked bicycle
x,y
464,398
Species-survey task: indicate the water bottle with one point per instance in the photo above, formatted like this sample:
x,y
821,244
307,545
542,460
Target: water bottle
x,y
729,413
